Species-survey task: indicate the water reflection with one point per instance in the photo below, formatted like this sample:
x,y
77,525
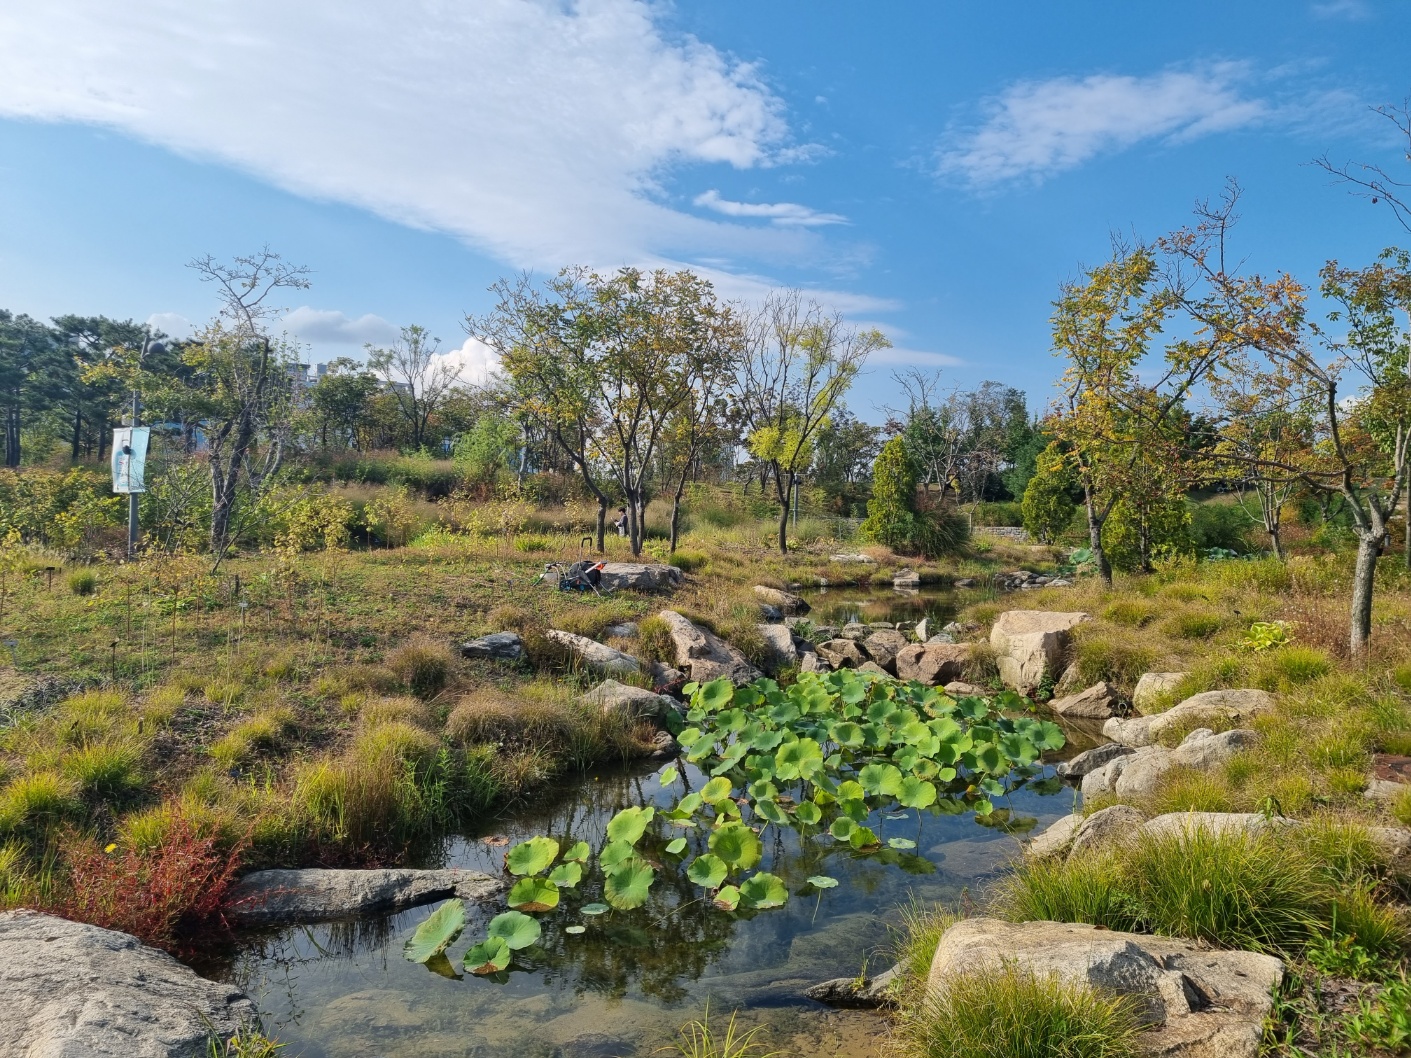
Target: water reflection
x,y
623,986
839,606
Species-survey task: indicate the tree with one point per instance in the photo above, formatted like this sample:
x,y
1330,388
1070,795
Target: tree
x,y
703,420
339,401
420,381
843,462
1048,504
241,379
799,362
893,517
91,395
28,362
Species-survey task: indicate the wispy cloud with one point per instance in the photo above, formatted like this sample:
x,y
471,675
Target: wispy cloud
x,y
900,357
1034,129
541,132
784,214
327,326
1357,10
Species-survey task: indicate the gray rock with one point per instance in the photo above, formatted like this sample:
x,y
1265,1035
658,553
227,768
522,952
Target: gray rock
x,y
594,655
704,655
1384,789
1054,841
1106,827
1196,1003
320,895
940,637
923,630
616,698
639,576
1091,760
867,559
953,628
1069,683
790,603
1211,750
771,614
854,630
1395,842
814,662
934,664
1224,706
1103,779
1196,735
1216,824
1030,643
882,647
1143,771
626,630
849,992
663,675
780,652
1098,702
965,582
1060,582
872,666
73,990
841,653
498,646
1152,687
906,578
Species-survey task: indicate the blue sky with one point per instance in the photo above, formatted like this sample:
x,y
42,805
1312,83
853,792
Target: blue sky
x,y
935,169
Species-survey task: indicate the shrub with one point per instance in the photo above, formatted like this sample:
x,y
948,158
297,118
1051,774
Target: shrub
x,y
1222,525
1009,1013
106,771
83,582
1047,507
998,513
893,518
423,666
162,895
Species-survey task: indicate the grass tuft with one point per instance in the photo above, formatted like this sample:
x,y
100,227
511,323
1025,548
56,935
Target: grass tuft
x,y
423,666
83,582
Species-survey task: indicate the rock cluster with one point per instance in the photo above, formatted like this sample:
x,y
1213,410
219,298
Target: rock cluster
x,y
1139,773
1222,708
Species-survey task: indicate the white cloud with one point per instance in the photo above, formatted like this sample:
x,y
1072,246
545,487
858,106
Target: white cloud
x,y
1351,9
327,326
895,357
172,324
785,214
538,130
1036,128
478,363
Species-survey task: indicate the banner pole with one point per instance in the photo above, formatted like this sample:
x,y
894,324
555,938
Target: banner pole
x,y
132,496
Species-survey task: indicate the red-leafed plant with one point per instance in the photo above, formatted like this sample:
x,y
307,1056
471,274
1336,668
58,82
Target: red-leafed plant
x,y
163,895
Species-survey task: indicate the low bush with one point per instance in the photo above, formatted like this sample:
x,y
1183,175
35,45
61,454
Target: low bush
x,y
33,803
83,582
1102,654
1134,613
1009,1013
689,561
423,666
107,771
404,709
532,544
1192,624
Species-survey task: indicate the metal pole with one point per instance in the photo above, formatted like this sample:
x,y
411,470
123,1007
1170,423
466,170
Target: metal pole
x,y
132,496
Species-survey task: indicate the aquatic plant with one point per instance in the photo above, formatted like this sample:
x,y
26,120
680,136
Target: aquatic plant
x,y
829,755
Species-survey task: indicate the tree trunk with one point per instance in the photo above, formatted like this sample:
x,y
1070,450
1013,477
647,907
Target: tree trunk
x,y
602,524
1104,567
676,512
77,433
1369,546
1406,550
12,437
782,490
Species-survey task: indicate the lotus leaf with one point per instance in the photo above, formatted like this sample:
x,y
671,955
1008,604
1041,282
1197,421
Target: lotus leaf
x,y
727,899
533,894
717,790
567,875
864,838
707,871
615,852
676,846
436,933
737,845
764,890
578,852
626,885
488,957
594,909
516,930
629,824
668,775
575,930
822,881
917,793
808,813
532,856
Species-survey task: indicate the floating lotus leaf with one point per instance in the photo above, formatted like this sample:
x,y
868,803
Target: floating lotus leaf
x,y
763,790
533,894
488,957
436,932
848,734
822,881
716,694
727,899
716,790
676,846
881,779
737,845
771,811
515,929
668,775
629,824
575,930
594,909
917,793
983,807
626,885
689,803
532,856
808,813
764,890
578,852
842,828
707,871
616,852
901,843
864,838
567,875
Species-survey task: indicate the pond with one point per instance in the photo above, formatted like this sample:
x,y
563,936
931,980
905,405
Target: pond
x,y
625,985
842,605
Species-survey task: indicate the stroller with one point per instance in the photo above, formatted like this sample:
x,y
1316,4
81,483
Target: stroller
x,y
582,576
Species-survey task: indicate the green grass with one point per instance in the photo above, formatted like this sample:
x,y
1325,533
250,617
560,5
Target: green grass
x,y
423,666
106,771
701,1039
83,582
262,733
1013,1014
37,801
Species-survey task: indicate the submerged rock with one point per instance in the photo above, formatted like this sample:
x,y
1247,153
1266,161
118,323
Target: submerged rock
x,y
71,990
320,895
854,992
704,655
592,654
1194,1002
497,646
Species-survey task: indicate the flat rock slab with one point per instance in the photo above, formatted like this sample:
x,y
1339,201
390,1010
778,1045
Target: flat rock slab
x,y
1090,759
640,576
594,655
497,646
704,655
320,895
1196,1003
612,697
72,990
786,601
1237,706
852,992
1152,687
1099,702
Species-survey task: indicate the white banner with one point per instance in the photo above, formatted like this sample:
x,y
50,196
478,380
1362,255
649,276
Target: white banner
x,y
130,458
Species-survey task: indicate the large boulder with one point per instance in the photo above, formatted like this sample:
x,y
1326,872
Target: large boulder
x,y
779,650
934,664
1152,687
1196,1003
618,699
1091,760
594,655
1029,644
1222,707
1054,840
322,895
73,990
639,576
788,602
497,646
704,655
841,653
906,578
1106,827
1098,702
1139,772
882,647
